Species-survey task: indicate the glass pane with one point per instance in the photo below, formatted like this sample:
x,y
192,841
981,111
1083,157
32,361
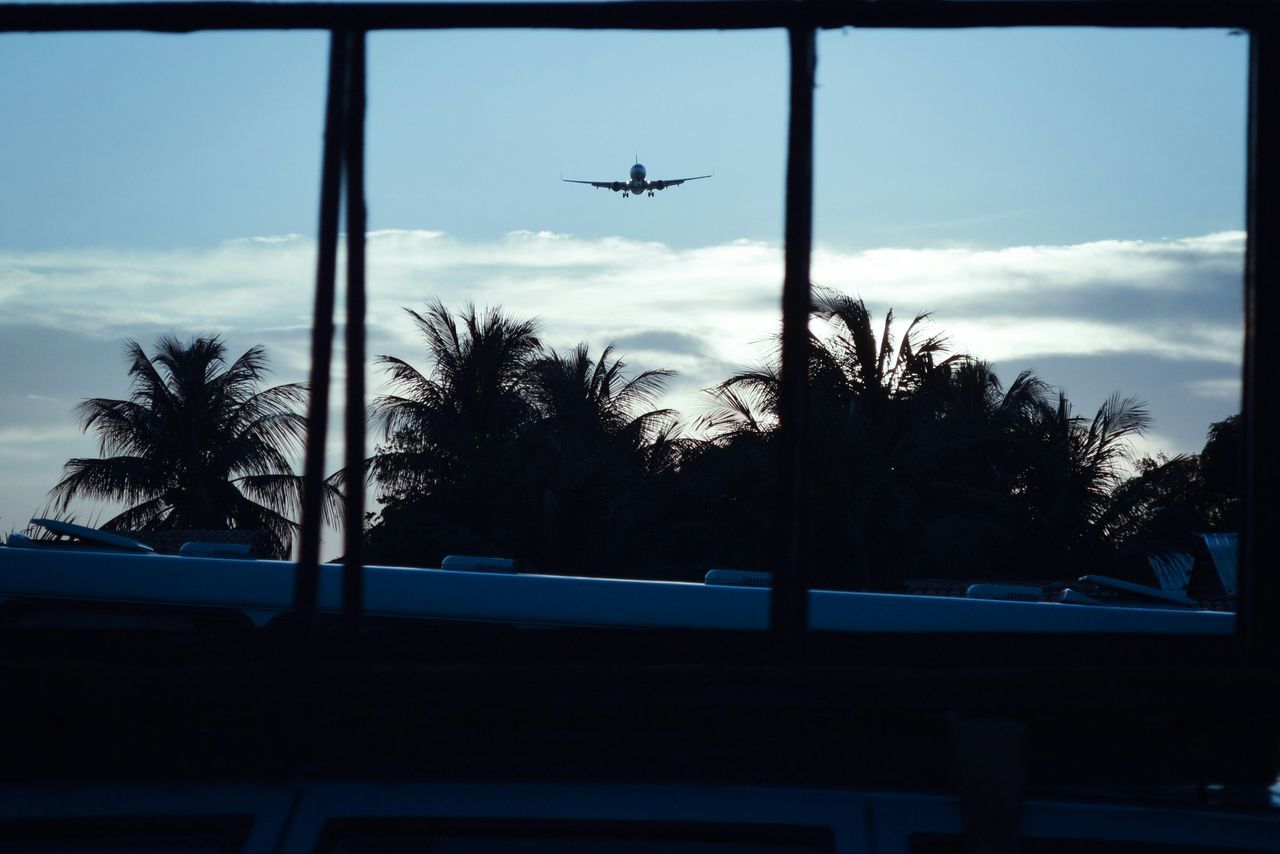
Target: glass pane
x,y
1055,220
160,198
617,296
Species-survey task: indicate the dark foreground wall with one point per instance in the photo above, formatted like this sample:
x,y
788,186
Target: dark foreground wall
x,y
468,703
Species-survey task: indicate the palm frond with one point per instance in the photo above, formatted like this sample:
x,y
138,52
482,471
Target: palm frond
x,y
141,517
642,389
736,409
130,479
886,345
282,493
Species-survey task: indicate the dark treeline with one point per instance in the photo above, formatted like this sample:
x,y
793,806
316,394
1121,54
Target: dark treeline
x,y
923,464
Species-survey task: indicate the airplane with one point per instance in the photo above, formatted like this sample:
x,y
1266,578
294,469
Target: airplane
x,y
637,185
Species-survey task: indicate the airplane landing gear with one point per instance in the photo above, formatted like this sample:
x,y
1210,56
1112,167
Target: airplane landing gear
x,y
624,195
651,194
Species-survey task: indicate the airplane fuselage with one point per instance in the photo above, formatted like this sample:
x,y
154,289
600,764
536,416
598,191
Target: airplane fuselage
x,y
638,184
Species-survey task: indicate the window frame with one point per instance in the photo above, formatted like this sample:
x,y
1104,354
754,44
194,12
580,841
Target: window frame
x,y
1258,614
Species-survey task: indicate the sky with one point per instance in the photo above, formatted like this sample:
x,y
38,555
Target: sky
x,y
1070,201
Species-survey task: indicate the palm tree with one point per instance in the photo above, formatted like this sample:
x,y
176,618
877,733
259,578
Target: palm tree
x,y
440,426
450,434
725,494
968,444
849,361
1071,477
871,399
1169,502
595,455
1220,467
1160,510
578,394
199,443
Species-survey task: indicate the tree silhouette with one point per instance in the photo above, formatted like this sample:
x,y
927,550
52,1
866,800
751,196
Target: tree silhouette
x,y
871,401
922,463
443,426
503,447
970,444
1170,501
580,396
595,455
1069,482
199,444
1220,463
450,435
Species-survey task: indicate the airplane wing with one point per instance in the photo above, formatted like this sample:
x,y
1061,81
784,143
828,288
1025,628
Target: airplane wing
x,y
605,185
676,182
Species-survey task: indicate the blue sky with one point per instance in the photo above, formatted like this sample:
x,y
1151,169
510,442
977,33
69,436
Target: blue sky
x,y
1068,200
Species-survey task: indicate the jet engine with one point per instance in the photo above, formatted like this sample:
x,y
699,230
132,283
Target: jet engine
x,y
659,185
617,185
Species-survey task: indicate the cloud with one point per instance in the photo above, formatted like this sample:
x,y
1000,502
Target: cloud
x,y
1012,337
946,274
31,436
1219,388
1159,319
1180,298
274,238
661,341
41,446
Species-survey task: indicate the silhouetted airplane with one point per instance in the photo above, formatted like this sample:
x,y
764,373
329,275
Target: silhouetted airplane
x,y
637,184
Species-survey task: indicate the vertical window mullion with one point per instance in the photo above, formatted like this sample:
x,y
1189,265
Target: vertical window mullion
x,y
307,572
353,521
789,601
1259,593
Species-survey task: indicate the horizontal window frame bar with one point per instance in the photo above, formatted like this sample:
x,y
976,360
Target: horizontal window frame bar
x,y
168,17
